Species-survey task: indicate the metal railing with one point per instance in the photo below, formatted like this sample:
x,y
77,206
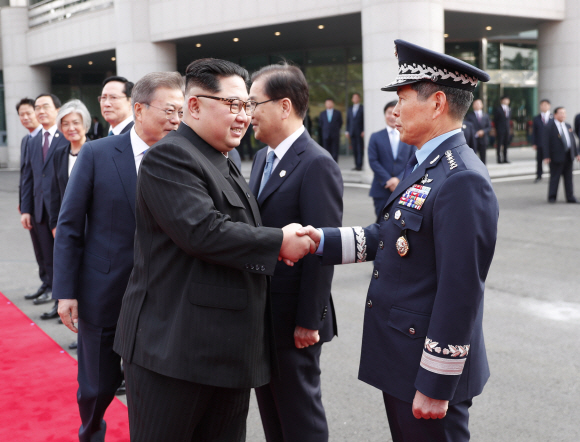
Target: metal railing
x,y
50,11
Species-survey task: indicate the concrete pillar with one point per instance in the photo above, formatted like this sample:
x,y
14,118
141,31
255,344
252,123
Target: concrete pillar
x,y
20,79
559,61
418,21
136,54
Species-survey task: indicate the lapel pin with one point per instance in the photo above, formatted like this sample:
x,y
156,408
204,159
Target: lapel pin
x,y
56,135
282,174
397,214
426,179
434,159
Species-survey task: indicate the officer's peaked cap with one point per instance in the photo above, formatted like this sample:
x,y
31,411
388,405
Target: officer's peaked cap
x,y
421,64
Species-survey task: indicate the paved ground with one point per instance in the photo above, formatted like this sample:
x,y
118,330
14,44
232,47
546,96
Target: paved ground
x,y
532,318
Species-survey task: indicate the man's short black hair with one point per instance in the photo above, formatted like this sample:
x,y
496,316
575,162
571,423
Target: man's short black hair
x,y
285,81
504,97
558,109
458,100
28,101
390,104
128,85
55,99
206,73
331,99
545,100
355,93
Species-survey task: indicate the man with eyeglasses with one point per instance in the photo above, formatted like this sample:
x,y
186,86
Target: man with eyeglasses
x,y
195,328
115,101
36,182
94,241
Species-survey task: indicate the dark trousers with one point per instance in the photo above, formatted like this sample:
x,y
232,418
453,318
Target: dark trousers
x,y
380,203
481,148
556,171
46,246
502,146
291,404
331,144
357,149
168,409
539,161
38,254
99,377
406,428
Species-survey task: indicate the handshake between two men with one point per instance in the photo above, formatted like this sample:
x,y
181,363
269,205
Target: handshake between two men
x,y
298,242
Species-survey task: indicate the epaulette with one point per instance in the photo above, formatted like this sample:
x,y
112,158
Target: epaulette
x,y
452,162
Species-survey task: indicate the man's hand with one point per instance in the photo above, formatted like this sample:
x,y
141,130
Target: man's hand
x,y
347,135
547,160
479,134
578,158
26,221
535,147
294,246
304,337
362,134
68,310
54,232
426,408
313,233
392,184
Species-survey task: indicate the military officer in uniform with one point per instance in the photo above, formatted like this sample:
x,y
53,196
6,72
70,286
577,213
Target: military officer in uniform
x,y
423,340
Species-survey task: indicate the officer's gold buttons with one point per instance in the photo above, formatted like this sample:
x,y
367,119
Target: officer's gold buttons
x,y
411,331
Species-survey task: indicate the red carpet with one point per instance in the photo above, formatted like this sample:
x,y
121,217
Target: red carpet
x,y
38,385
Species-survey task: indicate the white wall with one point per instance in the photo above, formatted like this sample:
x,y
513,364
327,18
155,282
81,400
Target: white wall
x,y
540,9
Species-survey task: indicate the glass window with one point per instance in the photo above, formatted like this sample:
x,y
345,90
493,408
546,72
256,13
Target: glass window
x,y
519,57
493,61
468,52
327,56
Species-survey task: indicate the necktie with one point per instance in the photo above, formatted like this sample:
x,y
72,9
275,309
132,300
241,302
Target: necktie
x,y
45,146
410,166
110,133
267,171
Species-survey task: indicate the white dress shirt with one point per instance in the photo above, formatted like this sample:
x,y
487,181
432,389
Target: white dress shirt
x,y
35,131
139,147
283,147
355,109
119,127
72,159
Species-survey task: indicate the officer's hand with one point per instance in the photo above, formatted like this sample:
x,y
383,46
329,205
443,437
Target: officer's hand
x,y
26,221
313,233
304,337
535,147
54,232
68,310
547,160
426,408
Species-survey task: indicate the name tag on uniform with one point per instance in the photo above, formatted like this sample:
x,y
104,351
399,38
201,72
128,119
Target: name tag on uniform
x,y
415,196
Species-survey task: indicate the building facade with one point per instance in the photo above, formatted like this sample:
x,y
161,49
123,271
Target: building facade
x,y
530,47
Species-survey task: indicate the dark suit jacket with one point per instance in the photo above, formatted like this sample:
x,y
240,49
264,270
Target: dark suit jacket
x,y
23,157
469,133
502,123
422,307
383,164
538,128
196,305
555,146
355,125
330,129
37,176
484,125
93,249
59,182
301,294
577,125
93,134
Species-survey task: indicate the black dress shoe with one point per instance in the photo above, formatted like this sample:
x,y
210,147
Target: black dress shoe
x,y
44,298
574,200
51,314
538,179
73,345
121,390
39,292
551,200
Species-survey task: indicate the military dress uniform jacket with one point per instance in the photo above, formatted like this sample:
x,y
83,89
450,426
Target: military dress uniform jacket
x,y
423,317
196,307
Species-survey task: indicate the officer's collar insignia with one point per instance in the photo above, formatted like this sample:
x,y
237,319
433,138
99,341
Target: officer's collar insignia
x,y
434,159
451,160
426,179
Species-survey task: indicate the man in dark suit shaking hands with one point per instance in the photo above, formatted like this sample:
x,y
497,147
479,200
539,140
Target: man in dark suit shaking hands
x,y
355,129
94,242
329,124
284,176
195,325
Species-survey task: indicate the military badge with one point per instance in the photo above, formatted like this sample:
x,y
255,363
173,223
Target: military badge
x,y
426,179
402,245
415,196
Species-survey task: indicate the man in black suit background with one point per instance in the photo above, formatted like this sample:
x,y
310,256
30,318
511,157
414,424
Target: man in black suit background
x,y
96,130
25,110
355,130
195,325
560,152
501,118
482,125
539,124
37,181
94,242
283,177
115,101
329,124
